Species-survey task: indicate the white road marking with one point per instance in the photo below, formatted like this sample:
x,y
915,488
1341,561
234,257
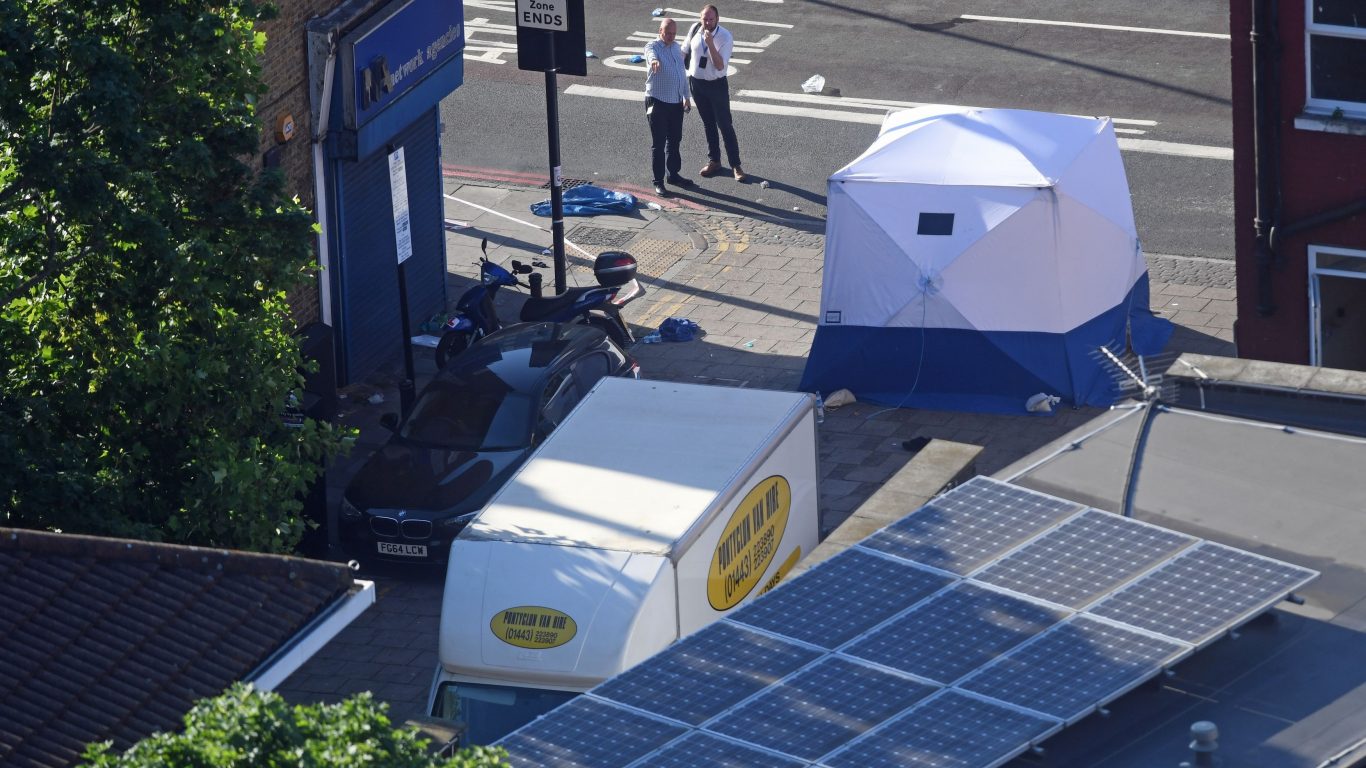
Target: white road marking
x,y
1149,30
726,21
1132,145
854,101
1180,150
531,224
623,61
736,106
489,51
833,101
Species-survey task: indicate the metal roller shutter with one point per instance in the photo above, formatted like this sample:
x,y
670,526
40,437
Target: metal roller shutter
x,y
368,283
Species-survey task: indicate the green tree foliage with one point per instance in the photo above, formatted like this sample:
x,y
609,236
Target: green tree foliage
x,y
145,340
245,728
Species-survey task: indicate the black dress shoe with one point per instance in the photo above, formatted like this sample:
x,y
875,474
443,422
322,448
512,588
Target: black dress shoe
x,y
661,190
680,181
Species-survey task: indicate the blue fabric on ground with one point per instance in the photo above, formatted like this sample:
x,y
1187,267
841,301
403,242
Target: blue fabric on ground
x,y
588,200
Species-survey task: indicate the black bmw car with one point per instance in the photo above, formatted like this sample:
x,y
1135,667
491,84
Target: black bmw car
x,y
469,430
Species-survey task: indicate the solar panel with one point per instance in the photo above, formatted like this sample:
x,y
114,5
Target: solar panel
x,y
1201,594
955,632
870,589
951,730
821,707
977,591
586,733
699,748
1073,668
1084,558
706,672
969,525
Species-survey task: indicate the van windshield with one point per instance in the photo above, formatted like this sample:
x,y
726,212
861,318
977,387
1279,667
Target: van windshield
x,y
490,712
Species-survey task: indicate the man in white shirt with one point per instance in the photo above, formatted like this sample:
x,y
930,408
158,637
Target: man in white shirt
x,y
707,53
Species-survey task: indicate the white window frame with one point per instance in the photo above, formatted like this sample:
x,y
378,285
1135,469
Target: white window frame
x,y
1315,300
1354,109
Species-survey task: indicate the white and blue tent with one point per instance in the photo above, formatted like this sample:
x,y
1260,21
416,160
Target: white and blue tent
x,y
976,257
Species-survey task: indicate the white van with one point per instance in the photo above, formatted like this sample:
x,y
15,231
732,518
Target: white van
x,y
654,509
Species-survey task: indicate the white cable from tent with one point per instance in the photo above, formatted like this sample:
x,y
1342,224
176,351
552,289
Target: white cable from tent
x,y
926,284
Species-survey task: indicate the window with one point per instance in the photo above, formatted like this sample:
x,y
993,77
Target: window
x,y
589,369
561,393
1337,307
1335,51
935,224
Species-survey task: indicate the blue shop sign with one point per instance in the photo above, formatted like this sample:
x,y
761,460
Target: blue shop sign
x,y
393,52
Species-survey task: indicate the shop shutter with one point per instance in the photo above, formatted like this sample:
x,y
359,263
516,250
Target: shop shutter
x,y
368,282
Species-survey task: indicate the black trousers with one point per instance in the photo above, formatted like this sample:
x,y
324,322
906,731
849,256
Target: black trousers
x,y
712,98
666,131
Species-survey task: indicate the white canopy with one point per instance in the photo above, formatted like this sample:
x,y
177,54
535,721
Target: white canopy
x,y
977,257
1042,233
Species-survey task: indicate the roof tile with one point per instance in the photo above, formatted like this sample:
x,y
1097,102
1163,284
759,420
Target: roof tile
x,y
115,639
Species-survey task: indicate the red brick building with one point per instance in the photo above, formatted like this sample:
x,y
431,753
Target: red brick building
x,y
1299,139
284,67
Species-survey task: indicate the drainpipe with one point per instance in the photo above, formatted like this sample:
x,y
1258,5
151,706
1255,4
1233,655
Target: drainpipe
x,y
320,169
1265,119
1281,231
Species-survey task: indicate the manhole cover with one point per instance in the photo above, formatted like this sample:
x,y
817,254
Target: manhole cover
x,y
568,183
607,238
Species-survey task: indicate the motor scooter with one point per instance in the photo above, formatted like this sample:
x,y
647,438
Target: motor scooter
x,y
599,306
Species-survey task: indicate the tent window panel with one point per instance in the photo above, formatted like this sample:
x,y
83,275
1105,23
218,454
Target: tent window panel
x,y
935,224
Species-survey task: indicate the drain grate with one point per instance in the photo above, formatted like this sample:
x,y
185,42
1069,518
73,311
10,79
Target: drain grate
x,y
568,183
607,238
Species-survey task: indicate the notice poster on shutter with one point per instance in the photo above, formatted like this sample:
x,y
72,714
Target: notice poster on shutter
x,y
398,190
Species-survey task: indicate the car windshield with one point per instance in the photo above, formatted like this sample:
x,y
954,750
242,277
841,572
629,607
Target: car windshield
x,y
474,412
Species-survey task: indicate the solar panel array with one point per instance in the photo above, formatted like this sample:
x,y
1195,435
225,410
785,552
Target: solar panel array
x,y
961,635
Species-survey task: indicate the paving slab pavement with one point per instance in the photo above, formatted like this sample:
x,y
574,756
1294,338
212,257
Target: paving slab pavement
x,y
754,287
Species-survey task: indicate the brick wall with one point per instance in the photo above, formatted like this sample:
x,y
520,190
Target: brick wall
x,y
284,68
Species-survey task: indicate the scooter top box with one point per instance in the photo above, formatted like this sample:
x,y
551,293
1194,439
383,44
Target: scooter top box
x,y
613,268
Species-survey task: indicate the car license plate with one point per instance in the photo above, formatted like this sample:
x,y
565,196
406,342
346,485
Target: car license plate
x,y
403,550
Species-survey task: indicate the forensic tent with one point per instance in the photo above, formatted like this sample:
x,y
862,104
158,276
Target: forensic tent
x,y
977,257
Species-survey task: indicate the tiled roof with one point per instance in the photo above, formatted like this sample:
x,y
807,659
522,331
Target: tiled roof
x,y
115,639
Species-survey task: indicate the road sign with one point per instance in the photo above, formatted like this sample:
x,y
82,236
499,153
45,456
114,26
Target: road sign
x,y
543,14
542,48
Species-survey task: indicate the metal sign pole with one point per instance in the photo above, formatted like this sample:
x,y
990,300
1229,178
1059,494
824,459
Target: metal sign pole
x,y
398,191
407,387
553,19
552,112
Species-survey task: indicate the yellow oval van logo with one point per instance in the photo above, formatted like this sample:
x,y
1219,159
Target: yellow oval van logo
x,y
749,542
529,626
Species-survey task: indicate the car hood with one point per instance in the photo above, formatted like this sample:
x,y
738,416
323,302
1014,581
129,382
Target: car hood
x,y
434,481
